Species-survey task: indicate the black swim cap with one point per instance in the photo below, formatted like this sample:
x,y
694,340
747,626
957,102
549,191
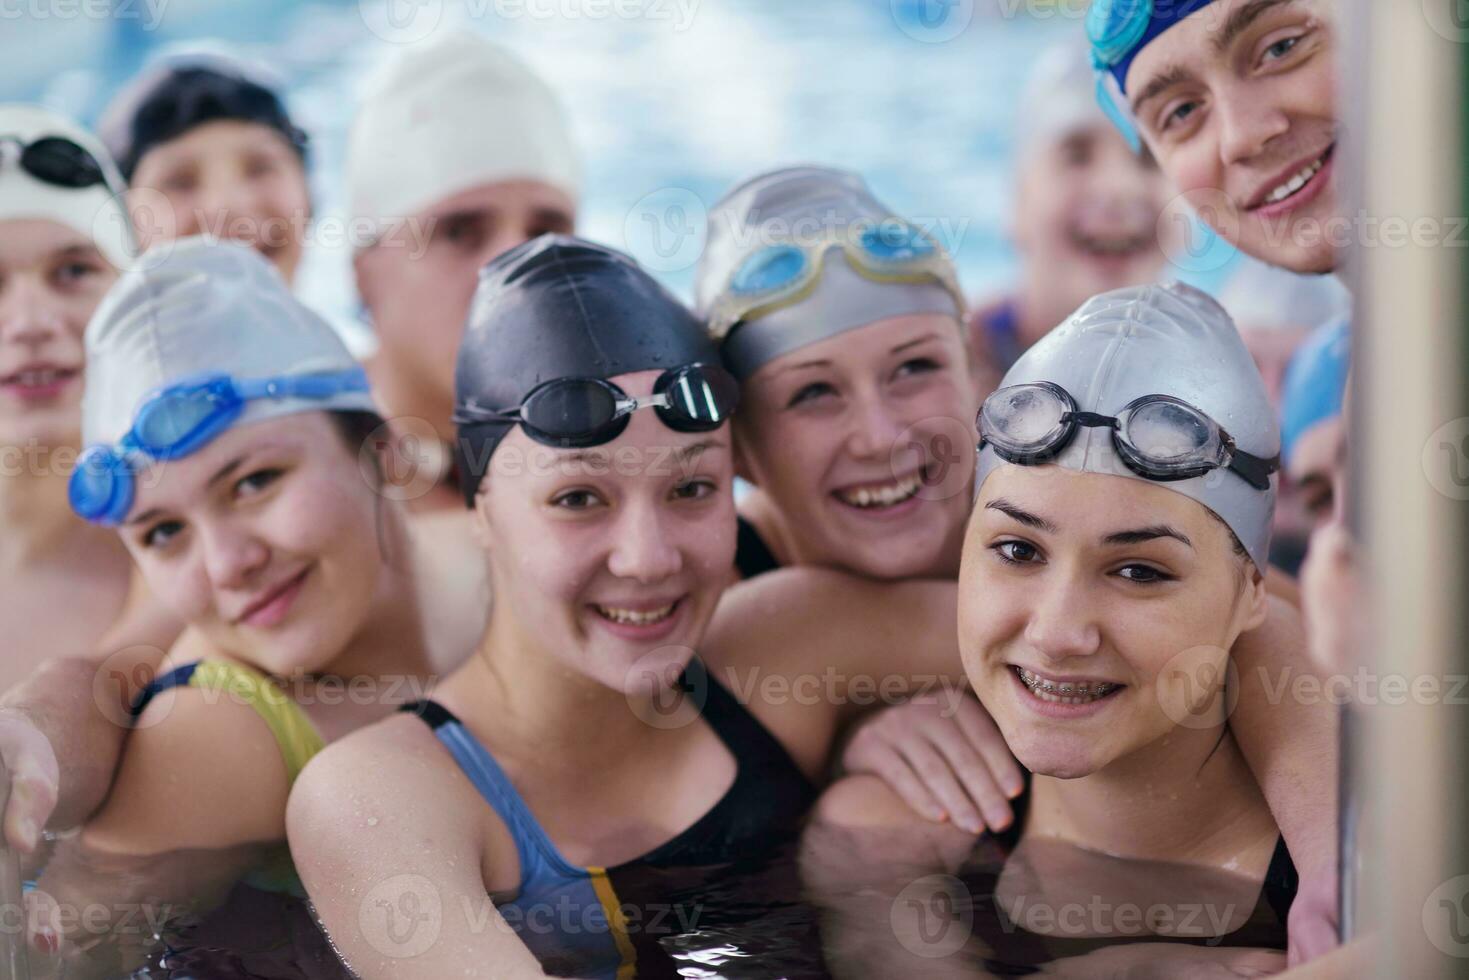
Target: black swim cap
x,y
556,307
166,103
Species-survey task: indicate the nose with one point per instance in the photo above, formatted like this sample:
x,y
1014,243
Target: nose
x,y
644,548
233,555
873,425
1246,126
28,315
1062,625
228,206
506,236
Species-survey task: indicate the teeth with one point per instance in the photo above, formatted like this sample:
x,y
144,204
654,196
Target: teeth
x,y
37,378
1288,188
635,617
883,496
1064,692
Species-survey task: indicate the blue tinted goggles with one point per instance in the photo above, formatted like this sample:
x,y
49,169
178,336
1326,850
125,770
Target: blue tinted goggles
x,y
781,274
178,420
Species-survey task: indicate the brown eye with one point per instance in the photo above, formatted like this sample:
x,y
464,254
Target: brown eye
x,y
576,500
160,534
1017,552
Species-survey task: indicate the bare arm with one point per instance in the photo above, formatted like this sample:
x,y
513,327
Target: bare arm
x,y
1289,737
881,878
62,729
386,842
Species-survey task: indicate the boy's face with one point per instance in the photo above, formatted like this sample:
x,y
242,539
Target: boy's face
x,y
1237,103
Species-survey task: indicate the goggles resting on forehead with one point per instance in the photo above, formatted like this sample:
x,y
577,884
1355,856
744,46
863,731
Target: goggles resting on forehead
x,y
178,420
55,160
576,413
1159,437
782,274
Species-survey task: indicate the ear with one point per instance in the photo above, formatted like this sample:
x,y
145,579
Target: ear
x,y
360,263
741,463
479,516
1256,599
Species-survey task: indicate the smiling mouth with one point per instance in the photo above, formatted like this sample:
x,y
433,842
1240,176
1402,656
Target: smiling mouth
x,y
265,602
876,496
38,377
1111,246
635,617
1297,181
1065,692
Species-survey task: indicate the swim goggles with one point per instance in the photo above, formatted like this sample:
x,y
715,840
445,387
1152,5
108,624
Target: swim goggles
x,y
1118,30
574,413
779,275
177,420
59,161
1158,436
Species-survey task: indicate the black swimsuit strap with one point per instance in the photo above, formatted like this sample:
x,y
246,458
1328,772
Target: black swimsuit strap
x,y
752,555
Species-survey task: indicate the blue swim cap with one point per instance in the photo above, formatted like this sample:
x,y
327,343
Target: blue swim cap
x,y
1315,383
1119,29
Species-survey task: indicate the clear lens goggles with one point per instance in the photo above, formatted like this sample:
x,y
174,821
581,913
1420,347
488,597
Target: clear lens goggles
x,y
1158,436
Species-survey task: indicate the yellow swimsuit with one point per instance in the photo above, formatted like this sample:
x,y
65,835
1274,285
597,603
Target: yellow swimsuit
x,y
294,734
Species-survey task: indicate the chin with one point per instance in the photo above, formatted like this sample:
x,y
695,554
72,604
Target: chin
x,y
648,674
1059,761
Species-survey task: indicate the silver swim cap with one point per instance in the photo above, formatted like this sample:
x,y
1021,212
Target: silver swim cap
x,y
195,307
832,218
1170,340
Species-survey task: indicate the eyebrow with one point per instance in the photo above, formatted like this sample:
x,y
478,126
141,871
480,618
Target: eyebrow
x,y
1240,20
601,453
1025,517
1175,75
1235,24
914,343
1150,533
803,366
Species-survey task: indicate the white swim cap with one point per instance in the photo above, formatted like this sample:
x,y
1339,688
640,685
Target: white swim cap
x,y
1059,97
447,115
198,306
95,212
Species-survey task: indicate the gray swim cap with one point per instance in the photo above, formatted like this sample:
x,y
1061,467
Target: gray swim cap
x,y
803,206
1160,340
197,306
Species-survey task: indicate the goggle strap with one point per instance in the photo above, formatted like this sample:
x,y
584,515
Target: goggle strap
x,y
1254,469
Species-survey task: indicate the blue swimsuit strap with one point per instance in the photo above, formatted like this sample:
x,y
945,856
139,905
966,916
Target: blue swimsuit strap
x,y
178,677
536,851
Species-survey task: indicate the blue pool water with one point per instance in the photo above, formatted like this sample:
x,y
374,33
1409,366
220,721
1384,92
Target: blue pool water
x,y
671,105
